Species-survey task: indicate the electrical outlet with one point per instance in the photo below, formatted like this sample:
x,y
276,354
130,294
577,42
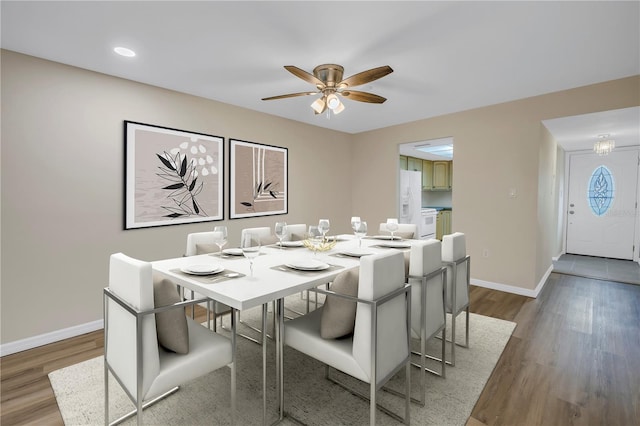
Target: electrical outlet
x,y
485,252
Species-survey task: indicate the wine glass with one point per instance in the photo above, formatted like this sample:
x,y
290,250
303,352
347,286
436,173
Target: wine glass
x,y
323,226
280,230
315,238
392,226
354,221
360,230
250,245
220,237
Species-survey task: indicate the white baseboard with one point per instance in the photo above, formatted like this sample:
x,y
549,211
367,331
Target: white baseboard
x,y
45,339
512,289
556,258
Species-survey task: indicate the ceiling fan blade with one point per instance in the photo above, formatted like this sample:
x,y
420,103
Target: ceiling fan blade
x,y
366,76
356,95
308,77
289,95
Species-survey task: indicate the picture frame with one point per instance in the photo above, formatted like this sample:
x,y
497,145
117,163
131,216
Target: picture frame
x,y
172,176
258,179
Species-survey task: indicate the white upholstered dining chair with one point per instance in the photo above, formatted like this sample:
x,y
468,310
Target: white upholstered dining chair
x,y
405,230
296,231
427,277
458,264
379,345
144,317
264,232
202,243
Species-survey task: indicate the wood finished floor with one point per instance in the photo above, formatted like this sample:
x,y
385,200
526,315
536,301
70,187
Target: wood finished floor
x,y
573,359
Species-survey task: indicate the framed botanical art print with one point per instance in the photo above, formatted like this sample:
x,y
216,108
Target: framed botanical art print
x,y
172,176
258,179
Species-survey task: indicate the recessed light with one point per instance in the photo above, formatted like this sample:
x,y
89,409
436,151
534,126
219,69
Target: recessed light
x,y
123,51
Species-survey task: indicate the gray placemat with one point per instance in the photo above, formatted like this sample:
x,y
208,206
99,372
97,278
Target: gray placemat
x,y
285,268
277,246
217,255
346,256
211,279
393,248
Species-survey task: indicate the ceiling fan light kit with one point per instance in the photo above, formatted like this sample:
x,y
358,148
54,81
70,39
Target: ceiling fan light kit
x,y
329,83
318,105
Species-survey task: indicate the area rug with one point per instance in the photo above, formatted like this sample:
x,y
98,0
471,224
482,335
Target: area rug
x,y
309,397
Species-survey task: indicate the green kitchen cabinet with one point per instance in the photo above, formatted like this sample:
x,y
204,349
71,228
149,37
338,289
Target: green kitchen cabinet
x,y
443,223
414,164
441,180
427,175
403,162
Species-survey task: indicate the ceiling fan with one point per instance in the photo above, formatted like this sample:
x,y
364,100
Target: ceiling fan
x,y
328,81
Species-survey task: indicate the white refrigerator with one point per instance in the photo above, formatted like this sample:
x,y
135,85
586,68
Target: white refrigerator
x,y
410,210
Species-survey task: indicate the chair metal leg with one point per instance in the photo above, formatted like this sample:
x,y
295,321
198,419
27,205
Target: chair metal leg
x,y
467,329
407,392
249,338
140,408
367,398
106,393
372,403
453,340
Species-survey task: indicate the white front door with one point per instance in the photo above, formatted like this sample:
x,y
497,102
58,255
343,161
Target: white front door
x,y
602,212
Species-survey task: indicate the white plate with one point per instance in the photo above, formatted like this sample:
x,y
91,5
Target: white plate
x,y
202,269
392,244
308,265
356,253
385,237
292,243
232,251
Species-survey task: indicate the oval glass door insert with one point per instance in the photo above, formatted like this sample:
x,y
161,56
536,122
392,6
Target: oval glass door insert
x,y
601,190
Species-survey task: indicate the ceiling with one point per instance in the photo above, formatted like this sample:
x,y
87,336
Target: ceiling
x,y
582,131
447,56
411,149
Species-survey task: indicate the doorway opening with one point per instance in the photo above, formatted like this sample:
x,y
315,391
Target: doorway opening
x,y
425,189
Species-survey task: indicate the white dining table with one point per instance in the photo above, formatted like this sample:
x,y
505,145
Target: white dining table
x,y
272,280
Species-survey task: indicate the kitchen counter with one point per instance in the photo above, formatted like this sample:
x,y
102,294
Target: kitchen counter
x,y
438,208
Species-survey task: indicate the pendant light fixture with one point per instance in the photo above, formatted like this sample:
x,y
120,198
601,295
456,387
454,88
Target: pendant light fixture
x,y
604,145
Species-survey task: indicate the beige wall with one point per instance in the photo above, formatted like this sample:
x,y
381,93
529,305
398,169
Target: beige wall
x,y
62,181
547,246
497,148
